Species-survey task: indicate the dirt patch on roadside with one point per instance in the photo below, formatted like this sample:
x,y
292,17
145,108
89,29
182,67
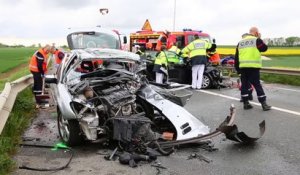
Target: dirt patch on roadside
x,y
12,71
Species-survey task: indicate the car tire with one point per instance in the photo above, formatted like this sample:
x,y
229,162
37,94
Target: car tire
x,y
206,82
69,130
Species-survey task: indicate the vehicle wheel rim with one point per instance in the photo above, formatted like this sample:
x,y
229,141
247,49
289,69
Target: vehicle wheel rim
x,y
63,128
205,82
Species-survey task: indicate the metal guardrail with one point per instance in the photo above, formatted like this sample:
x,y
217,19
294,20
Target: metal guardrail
x,y
280,71
272,70
8,97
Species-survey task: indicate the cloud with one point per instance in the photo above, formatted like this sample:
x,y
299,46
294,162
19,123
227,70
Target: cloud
x,y
224,20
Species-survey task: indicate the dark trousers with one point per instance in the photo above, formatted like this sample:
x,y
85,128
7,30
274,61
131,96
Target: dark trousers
x,y
37,85
248,86
252,76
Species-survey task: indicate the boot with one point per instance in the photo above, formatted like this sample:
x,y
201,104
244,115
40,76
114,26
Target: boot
x,y
247,105
265,106
250,97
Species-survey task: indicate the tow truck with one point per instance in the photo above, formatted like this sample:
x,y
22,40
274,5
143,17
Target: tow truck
x,y
152,40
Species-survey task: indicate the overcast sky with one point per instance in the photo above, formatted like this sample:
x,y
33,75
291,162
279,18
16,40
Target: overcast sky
x,y
41,21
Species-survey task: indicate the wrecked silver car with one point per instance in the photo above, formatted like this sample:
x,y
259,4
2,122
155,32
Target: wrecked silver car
x,y
96,88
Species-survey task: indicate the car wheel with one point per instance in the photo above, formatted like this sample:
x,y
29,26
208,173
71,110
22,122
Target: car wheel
x,y
206,82
69,130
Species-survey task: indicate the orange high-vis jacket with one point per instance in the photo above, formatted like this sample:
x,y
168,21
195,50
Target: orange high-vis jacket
x,y
33,65
57,59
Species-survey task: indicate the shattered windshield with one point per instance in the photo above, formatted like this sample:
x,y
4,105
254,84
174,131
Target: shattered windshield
x,y
82,40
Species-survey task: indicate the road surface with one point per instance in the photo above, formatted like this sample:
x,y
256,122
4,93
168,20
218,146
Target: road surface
x,y
277,152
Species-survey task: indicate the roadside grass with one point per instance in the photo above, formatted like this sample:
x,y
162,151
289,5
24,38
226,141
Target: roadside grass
x,y
283,62
19,119
14,76
12,57
281,79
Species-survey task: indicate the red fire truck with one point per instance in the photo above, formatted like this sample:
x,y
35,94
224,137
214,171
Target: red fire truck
x,y
152,40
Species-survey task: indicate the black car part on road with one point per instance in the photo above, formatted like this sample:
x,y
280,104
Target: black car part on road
x,y
233,134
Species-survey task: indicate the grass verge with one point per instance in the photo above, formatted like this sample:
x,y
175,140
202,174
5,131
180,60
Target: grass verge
x,y
14,76
12,57
281,79
18,121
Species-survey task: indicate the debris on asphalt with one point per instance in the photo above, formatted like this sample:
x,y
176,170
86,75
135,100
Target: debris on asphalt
x,y
232,133
199,157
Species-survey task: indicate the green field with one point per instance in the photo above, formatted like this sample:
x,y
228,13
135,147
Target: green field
x,y
272,51
12,57
283,62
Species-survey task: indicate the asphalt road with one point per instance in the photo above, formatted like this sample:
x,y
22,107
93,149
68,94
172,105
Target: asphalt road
x,y
277,152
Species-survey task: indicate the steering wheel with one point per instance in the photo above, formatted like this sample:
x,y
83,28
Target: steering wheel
x,y
91,44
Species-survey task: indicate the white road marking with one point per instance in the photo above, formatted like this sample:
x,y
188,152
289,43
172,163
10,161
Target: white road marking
x,y
287,89
255,103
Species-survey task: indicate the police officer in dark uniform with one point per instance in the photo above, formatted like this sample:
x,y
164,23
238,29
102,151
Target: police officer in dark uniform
x,y
248,63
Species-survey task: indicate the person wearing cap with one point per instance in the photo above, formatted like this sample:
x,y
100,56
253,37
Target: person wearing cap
x,y
58,56
161,66
38,67
197,53
248,63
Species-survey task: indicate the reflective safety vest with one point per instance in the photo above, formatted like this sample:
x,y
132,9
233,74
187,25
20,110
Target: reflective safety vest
x,y
175,50
33,62
197,48
172,57
215,59
57,60
249,55
161,59
173,54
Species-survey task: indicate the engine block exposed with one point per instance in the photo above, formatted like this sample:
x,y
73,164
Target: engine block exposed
x,y
118,97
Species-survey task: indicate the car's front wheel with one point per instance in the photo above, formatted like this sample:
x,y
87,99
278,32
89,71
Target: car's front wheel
x,y
206,82
69,130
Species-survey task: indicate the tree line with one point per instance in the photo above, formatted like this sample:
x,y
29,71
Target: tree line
x,y
292,41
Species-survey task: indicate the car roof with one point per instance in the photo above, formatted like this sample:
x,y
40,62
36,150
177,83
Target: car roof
x,y
90,53
92,29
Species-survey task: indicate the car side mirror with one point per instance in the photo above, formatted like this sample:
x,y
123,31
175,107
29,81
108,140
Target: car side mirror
x,y
50,79
124,40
